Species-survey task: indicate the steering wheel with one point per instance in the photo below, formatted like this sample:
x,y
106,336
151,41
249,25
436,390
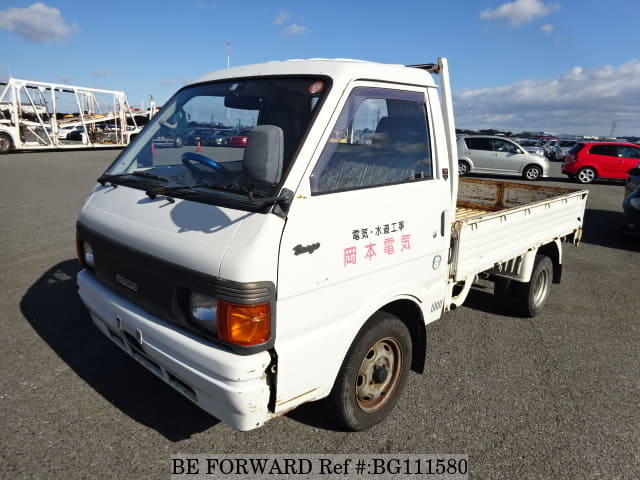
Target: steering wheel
x,y
189,157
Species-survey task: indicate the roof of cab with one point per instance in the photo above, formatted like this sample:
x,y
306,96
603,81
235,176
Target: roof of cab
x,y
340,70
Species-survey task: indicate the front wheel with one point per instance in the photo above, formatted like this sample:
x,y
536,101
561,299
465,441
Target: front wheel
x,y
531,297
532,172
373,374
463,168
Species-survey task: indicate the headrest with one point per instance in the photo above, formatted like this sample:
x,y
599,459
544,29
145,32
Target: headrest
x,y
397,129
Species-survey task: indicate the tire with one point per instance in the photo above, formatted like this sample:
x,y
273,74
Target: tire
x,y
531,297
373,373
532,172
463,168
586,175
179,142
5,143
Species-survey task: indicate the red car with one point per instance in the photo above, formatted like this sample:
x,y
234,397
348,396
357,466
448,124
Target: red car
x,y
587,161
238,141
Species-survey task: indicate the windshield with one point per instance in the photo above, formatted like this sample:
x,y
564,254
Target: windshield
x,y
195,145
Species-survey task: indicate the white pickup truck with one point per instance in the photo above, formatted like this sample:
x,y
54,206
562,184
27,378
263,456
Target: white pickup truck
x,y
307,264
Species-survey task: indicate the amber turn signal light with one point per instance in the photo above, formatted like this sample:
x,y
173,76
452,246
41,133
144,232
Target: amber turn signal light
x,y
244,325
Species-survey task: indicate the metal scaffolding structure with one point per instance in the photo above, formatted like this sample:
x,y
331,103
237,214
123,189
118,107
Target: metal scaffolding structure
x,y
38,115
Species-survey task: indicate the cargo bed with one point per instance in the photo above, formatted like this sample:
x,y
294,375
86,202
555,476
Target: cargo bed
x,y
499,221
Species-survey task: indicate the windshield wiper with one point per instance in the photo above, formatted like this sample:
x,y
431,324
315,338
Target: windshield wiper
x,y
283,200
154,192
106,177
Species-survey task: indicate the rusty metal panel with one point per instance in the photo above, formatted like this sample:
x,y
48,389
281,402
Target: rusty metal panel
x,y
492,195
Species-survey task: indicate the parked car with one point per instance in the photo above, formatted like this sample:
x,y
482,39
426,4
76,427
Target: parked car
x,y
220,138
64,131
498,156
631,204
196,134
238,141
531,146
587,161
548,147
559,152
75,134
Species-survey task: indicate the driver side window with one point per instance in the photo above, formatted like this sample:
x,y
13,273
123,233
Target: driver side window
x,y
381,138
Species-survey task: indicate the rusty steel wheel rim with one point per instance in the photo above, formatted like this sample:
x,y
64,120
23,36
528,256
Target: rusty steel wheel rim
x,y
378,374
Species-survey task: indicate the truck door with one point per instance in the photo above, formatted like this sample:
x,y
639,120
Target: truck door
x,y
369,225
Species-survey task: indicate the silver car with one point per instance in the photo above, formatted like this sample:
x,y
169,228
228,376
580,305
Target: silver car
x,y
532,146
498,156
561,149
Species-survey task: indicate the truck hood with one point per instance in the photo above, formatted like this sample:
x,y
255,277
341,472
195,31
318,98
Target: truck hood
x,y
186,233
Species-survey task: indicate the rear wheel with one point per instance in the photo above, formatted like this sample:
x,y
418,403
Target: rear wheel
x,y
463,168
373,374
531,297
532,172
586,175
5,143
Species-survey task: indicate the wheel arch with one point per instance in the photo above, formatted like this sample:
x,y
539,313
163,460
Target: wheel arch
x,y
12,140
553,250
466,160
410,314
592,167
532,164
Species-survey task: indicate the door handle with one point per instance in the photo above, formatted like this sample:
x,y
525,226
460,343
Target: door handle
x,y
442,217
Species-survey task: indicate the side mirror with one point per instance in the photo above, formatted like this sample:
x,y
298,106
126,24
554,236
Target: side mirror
x,y
264,154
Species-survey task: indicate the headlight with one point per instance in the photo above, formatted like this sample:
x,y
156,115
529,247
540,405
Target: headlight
x,y
204,311
85,253
244,325
635,202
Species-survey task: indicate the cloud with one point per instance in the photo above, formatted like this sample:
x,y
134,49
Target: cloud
x,y
167,82
547,28
582,101
38,23
282,17
519,12
101,73
294,29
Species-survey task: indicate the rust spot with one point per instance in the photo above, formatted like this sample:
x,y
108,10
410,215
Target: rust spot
x,y
282,402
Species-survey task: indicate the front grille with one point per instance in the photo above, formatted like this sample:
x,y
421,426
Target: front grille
x,y
163,288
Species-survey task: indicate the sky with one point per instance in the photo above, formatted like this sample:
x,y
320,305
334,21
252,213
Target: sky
x,y
561,66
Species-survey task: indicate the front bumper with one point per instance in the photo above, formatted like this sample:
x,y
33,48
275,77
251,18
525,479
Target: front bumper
x,y
231,387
